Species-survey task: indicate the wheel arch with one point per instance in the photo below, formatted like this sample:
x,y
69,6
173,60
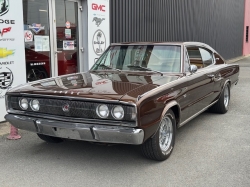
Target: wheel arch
x,y
225,83
175,107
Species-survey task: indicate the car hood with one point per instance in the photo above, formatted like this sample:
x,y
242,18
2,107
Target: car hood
x,y
107,86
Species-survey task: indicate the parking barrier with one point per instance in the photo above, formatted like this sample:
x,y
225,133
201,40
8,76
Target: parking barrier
x,y
13,133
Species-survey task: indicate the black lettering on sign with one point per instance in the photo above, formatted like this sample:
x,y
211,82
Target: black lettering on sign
x,y
7,21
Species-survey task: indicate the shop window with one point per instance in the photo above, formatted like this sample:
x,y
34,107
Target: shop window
x,y
66,13
37,39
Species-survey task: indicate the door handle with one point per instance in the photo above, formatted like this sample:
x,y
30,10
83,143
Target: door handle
x,y
56,52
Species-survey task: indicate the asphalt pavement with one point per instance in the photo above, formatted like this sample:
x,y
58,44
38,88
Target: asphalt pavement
x,y
211,150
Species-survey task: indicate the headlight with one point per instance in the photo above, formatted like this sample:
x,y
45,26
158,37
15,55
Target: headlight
x,y
23,103
118,112
102,111
35,105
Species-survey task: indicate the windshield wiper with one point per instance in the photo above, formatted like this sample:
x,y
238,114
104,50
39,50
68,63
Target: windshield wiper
x,y
144,68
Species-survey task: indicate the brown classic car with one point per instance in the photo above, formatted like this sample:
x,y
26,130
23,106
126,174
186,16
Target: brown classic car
x,y
136,93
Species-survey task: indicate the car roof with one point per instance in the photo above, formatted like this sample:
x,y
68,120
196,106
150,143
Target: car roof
x,y
189,43
158,43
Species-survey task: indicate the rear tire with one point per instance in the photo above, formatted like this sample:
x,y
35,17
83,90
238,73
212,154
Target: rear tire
x,y
160,146
50,139
222,104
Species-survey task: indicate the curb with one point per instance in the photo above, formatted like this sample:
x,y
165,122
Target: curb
x,y
236,59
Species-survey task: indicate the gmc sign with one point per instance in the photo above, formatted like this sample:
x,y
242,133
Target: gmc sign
x,y
98,7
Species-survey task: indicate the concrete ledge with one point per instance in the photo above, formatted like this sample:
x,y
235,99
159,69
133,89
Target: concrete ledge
x,y
4,128
233,60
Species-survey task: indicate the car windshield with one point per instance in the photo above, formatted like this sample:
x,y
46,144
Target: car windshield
x,y
165,58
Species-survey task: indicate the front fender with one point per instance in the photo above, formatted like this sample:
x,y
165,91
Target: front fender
x,y
176,109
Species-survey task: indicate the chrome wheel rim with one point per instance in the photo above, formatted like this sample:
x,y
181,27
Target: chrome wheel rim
x,y
165,133
226,96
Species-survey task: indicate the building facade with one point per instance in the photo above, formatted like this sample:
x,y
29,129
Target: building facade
x,y
219,23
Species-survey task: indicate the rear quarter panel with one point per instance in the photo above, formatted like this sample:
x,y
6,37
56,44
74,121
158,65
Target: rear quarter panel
x,y
228,72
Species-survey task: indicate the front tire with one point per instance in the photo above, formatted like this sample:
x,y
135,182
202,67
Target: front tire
x,y
49,139
160,146
222,104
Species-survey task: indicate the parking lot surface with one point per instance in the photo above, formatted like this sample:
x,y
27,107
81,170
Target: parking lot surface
x,y
211,150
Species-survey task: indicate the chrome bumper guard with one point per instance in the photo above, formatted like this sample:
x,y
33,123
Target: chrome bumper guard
x,y
78,131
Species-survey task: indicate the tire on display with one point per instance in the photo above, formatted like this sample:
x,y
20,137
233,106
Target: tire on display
x,y
160,146
34,73
49,139
222,105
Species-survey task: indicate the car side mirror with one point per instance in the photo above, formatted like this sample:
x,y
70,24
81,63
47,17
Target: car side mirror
x,y
193,68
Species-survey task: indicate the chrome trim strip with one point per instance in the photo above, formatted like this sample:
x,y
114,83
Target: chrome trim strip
x,y
73,98
78,131
192,117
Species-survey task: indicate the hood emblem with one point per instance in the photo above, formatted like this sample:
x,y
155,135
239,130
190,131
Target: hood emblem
x,y
65,108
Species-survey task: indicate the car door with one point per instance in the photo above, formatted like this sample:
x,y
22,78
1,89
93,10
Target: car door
x,y
199,85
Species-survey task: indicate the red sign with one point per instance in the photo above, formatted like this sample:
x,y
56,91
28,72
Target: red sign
x,y
98,7
28,35
5,30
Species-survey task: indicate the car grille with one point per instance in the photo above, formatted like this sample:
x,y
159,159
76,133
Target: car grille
x,y
78,109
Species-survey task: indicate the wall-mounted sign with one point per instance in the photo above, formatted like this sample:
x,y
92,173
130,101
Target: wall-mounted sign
x,y
98,21
12,59
4,30
41,43
98,29
68,33
6,78
4,52
5,34
99,42
67,24
4,7
36,27
68,44
28,36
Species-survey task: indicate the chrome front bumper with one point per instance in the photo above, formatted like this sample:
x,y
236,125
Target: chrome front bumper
x,y
78,131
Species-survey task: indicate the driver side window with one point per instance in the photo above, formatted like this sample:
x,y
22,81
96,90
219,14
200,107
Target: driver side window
x,y
195,56
200,57
207,57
